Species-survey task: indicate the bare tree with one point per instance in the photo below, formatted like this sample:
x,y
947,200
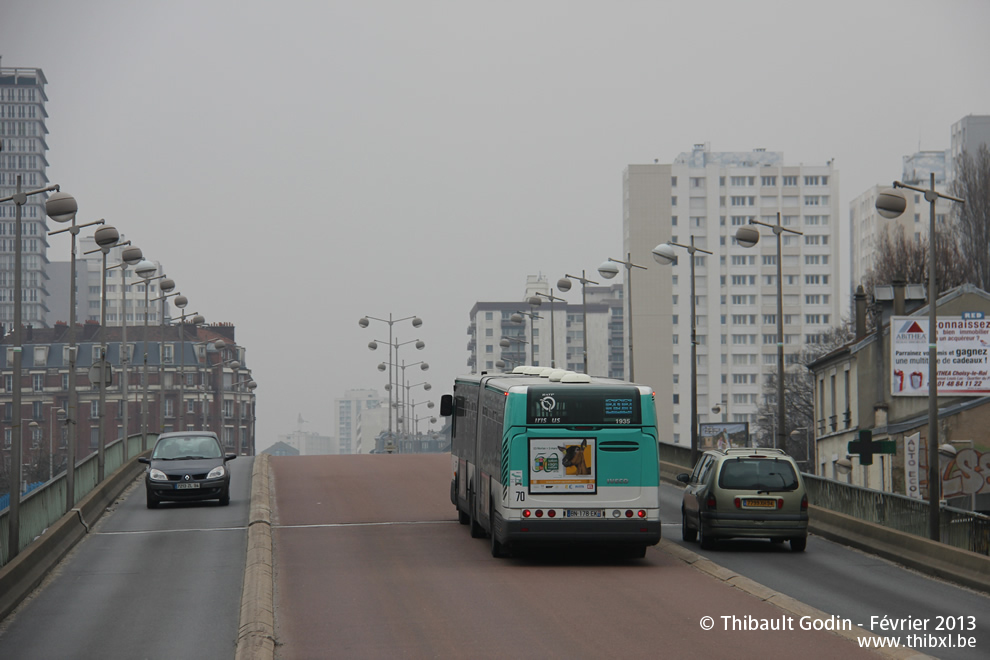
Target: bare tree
x,y
972,183
899,258
799,391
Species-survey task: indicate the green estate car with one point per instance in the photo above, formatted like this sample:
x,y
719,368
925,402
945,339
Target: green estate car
x,y
745,492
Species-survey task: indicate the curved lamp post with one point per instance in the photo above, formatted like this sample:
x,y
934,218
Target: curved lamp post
x,y
890,204
65,208
146,270
106,237
665,254
165,286
608,270
130,256
564,284
62,207
748,236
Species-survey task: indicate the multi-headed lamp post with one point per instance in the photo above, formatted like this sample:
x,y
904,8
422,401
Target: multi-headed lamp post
x,y
65,208
564,284
364,322
517,317
748,236
608,270
665,254
890,204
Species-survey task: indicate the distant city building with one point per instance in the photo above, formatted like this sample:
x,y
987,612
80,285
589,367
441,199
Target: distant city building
x,y
281,449
23,135
307,443
967,135
704,197
347,414
530,341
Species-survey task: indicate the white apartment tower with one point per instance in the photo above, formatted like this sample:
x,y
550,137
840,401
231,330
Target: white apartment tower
x,y
705,196
348,411
22,155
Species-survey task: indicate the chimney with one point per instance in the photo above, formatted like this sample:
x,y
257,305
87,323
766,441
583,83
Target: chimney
x,y
860,298
899,286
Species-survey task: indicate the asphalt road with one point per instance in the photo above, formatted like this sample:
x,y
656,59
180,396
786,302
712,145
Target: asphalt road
x,y
163,583
371,563
848,583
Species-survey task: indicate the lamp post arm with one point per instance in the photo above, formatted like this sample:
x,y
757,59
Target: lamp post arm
x,y
935,194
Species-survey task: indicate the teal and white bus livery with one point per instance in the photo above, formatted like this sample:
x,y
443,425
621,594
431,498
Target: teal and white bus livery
x,y
553,457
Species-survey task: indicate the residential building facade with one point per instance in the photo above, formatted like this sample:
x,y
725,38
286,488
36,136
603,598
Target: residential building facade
x,y
348,410
704,197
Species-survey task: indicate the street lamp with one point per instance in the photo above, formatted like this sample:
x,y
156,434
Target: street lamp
x,y
146,270
506,342
608,270
890,204
61,207
747,237
517,317
564,284
130,256
665,254
364,322
195,321
106,237
536,301
65,207
165,286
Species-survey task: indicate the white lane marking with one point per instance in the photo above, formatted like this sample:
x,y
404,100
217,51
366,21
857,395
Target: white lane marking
x,y
169,531
367,524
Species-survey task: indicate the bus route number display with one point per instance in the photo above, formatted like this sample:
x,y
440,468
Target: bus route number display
x,y
585,407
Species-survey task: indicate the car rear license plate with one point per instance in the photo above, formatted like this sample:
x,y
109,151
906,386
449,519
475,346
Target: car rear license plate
x,y
186,486
584,513
760,503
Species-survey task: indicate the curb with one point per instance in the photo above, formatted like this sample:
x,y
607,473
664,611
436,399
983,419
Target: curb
x,y
25,572
256,630
779,600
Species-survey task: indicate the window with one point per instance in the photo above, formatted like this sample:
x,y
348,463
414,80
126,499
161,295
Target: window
x,y
790,180
673,200
768,181
38,382
94,409
738,180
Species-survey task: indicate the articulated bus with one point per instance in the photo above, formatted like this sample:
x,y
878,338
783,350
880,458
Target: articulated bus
x,y
555,457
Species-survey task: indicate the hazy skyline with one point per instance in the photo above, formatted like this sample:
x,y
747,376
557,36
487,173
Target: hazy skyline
x,y
298,165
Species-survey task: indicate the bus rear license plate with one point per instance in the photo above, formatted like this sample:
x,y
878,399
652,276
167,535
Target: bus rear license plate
x,y
761,504
584,513
186,486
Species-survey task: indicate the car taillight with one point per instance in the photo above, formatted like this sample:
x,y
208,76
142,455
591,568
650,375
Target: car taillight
x,y
738,502
780,504
710,502
804,503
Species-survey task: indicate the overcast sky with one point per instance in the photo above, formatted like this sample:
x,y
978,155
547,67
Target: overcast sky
x,y
296,165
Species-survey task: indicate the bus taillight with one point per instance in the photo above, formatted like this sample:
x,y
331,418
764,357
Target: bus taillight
x,y
552,513
527,513
539,513
642,513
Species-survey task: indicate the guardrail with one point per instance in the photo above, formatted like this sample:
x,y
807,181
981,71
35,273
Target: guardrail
x,y
44,505
959,528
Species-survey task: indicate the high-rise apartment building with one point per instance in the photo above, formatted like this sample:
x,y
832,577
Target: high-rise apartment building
x,y
704,197
966,136
347,413
22,156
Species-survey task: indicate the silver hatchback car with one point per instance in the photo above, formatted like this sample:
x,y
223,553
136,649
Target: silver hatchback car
x,y
745,492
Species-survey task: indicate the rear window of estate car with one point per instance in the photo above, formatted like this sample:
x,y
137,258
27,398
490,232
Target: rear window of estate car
x,y
757,474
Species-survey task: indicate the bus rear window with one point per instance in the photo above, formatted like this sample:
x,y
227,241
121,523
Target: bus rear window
x,y
582,405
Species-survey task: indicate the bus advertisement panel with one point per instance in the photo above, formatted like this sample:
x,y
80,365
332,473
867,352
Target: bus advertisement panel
x,y
559,465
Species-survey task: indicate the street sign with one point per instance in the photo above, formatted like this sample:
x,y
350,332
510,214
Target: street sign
x,y
866,447
94,372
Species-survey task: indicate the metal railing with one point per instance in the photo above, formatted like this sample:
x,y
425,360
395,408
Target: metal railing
x,y
959,528
44,505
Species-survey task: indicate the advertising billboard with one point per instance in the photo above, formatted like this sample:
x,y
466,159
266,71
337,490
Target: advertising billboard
x,y
723,435
963,350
